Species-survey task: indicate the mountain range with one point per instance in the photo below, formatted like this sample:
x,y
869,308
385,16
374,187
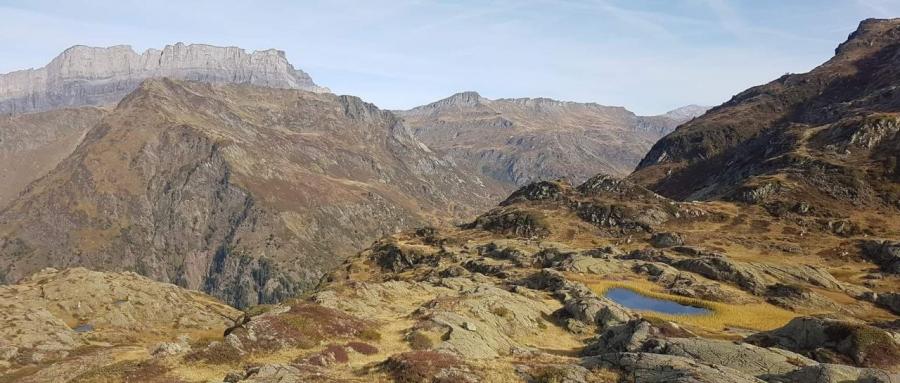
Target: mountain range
x,y
249,181
101,76
461,241
519,141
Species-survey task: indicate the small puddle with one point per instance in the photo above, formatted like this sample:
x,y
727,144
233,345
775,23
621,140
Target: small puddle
x,y
84,328
635,301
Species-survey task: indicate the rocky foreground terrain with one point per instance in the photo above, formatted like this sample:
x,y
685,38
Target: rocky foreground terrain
x,y
519,141
519,295
89,319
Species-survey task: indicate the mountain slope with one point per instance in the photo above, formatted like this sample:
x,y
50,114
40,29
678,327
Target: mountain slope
x,y
32,144
247,193
100,76
827,138
517,141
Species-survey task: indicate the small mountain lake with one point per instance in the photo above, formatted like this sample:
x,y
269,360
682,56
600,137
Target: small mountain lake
x,y
635,301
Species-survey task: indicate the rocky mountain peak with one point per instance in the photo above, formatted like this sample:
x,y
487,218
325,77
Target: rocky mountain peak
x,y
467,97
825,140
872,34
686,112
84,75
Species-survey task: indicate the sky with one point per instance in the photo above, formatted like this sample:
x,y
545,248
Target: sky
x,y
648,56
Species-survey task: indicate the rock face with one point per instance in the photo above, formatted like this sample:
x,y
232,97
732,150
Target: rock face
x,y
244,192
819,142
102,76
519,141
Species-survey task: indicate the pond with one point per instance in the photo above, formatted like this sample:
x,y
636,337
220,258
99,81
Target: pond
x,y
635,301
84,328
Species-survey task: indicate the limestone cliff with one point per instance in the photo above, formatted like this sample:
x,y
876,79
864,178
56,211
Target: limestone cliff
x,y
96,76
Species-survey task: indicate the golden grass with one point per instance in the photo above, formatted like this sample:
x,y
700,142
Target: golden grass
x,y
754,316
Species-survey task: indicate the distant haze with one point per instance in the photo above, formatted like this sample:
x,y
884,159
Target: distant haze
x,y
648,56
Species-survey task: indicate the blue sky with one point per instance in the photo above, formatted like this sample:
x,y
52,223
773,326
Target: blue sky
x,y
649,56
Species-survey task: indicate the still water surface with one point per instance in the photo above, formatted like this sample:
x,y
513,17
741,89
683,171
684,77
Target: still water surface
x,y
635,301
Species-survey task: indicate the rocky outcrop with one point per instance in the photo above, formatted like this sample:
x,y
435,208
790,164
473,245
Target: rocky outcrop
x,y
579,302
831,341
754,277
835,373
886,254
890,301
102,76
642,367
661,240
54,314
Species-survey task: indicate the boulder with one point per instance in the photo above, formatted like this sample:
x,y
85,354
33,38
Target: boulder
x,y
626,337
517,257
663,240
886,254
890,301
538,191
792,297
392,257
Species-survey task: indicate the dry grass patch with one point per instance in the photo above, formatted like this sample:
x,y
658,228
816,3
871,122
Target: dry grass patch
x,y
426,366
128,371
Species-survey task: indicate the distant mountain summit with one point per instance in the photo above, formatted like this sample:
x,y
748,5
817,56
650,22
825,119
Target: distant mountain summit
x,y
686,112
521,140
83,76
